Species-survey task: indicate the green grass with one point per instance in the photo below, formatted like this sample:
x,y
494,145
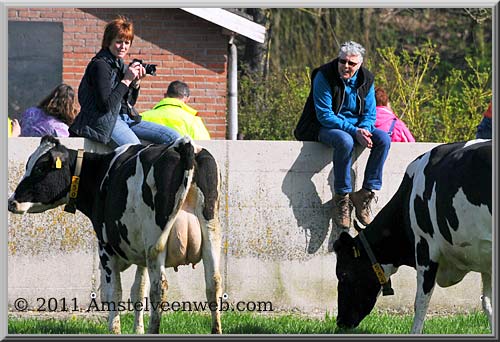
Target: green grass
x,y
474,323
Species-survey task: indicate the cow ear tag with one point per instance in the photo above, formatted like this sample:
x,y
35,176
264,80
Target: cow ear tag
x,y
58,163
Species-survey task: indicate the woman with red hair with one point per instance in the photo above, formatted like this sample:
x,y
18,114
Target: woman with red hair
x,y
108,92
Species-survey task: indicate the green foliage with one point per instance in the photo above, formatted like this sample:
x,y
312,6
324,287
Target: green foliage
x,y
185,323
435,109
268,108
436,106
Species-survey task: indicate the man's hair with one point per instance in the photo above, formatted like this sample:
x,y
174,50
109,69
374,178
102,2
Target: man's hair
x,y
121,28
352,48
60,103
178,90
381,96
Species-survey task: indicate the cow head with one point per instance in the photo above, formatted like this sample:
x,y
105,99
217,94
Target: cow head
x,y
46,182
358,286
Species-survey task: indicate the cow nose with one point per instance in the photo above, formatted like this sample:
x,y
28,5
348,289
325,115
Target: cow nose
x,y
12,205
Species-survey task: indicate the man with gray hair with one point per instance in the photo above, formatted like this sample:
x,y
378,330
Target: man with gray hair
x,y
340,112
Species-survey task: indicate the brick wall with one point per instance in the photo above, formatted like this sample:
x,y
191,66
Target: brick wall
x,y
184,46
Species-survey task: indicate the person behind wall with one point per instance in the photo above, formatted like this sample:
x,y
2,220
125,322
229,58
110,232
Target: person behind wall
x,y
340,112
388,121
14,128
174,112
53,115
484,127
108,92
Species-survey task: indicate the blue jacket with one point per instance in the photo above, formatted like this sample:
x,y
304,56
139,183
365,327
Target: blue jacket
x,y
348,114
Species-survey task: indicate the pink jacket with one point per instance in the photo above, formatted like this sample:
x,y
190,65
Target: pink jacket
x,y
400,132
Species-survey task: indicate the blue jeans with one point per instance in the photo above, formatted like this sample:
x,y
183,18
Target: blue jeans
x,y
343,146
484,129
127,131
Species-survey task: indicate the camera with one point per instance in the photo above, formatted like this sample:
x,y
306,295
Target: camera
x,y
150,68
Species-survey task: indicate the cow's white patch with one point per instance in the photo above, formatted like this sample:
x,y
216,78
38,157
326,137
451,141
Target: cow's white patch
x,y
475,141
40,151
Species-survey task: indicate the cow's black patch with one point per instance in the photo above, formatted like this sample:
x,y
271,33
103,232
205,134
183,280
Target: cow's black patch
x,y
422,250
147,194
104,258
421,208
115,192
206,177
168,175
453,168
424,259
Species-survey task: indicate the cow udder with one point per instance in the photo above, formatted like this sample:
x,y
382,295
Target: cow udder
x,y
184,241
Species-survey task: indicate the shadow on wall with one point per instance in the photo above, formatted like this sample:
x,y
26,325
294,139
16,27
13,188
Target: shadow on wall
x,y
311,213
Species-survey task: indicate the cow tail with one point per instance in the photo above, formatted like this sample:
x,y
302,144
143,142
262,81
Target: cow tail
x,y
186,151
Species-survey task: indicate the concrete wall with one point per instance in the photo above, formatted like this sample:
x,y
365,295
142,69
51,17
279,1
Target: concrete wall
x,y
276,226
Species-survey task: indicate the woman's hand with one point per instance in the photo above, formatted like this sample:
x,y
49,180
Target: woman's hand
x,y
135,72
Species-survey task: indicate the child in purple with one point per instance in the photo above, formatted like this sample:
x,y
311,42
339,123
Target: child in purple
x,y
52,116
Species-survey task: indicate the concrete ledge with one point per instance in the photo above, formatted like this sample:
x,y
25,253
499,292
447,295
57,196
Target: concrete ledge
x,y
277,233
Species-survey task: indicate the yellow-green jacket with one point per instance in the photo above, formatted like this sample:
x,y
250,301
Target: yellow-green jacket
x,y
174,113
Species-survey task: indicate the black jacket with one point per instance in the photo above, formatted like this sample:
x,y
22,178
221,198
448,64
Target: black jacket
x,y
101,96
308,126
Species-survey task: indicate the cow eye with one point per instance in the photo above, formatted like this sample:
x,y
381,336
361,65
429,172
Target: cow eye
x,y
38,169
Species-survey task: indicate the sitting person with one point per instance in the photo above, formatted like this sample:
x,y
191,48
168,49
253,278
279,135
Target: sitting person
x,y
14,128
52,116
174,112
484,127
388,121
108,91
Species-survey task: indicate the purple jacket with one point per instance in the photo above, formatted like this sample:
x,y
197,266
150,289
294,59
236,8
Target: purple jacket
x,y
35,123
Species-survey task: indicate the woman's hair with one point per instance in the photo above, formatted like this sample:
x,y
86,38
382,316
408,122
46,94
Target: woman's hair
x,y
60,104
352,48
381,96
121,28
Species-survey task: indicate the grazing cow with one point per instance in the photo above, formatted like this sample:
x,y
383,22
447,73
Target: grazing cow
x,y
438,222
153,206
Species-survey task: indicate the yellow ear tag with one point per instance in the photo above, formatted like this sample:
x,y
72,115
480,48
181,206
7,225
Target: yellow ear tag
x,y
58,163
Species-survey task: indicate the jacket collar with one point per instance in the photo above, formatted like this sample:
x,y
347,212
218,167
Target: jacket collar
x,y
110,58
170,101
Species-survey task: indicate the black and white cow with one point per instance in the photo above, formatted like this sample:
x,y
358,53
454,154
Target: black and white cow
x,y
150,205
438,222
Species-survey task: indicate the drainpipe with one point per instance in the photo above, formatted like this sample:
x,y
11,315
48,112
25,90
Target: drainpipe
x,y
233,89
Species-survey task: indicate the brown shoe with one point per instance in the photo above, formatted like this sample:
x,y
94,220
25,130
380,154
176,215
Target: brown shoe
x,y
361,200
342,211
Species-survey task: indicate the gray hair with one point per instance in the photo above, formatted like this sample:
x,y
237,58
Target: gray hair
x,y
352,48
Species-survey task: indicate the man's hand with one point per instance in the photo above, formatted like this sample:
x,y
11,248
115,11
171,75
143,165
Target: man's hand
x,y
363,136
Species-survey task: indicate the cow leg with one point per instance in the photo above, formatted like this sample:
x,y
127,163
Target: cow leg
x,y
111,293
486,297
426,281
137,295
211,246
111,287
157,291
